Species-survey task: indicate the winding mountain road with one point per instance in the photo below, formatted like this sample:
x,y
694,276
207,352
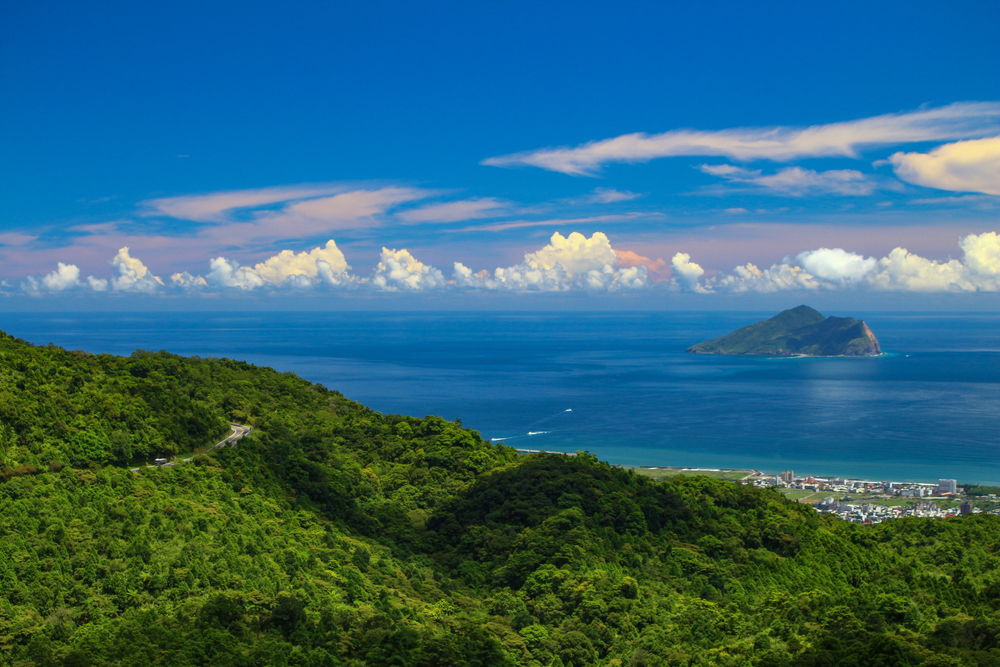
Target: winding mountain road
x,y
239,432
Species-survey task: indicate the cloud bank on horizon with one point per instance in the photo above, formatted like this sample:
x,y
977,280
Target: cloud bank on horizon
x,y
228,226
900,271
566,263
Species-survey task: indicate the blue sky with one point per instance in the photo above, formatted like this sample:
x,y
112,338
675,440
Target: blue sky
x,y
702,153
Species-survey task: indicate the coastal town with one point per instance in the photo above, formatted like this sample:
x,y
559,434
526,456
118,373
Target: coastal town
x,y
870,502
857,500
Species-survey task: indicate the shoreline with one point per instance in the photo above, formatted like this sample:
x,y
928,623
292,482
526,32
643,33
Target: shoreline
x,y
753,472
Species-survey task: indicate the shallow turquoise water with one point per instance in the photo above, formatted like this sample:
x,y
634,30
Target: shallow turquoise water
x,y
620,385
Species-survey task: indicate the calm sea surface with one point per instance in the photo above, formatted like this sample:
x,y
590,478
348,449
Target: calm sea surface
x,y
620,386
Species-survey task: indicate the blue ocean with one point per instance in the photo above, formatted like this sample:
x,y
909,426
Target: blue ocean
x,y
619,385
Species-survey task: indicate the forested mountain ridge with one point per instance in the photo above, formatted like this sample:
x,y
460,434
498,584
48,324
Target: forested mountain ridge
x,y
337,535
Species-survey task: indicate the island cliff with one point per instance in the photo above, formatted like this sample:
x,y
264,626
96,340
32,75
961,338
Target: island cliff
x,y
798,331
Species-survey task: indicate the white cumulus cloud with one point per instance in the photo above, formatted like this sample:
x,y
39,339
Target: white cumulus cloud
x,y
631,277
900,270
686,273
982,254
187,281
749,278
325,263
963,166
903,270
979,269
224,273
567,262
572,262
575,253
133,275
64,277
321,265
520,277
399,270
837,265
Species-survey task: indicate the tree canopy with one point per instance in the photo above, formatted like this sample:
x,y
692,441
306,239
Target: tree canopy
x,y
335,535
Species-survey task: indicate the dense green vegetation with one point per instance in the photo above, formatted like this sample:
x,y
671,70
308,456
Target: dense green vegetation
x,y
980,490
77,408
338,536
799,330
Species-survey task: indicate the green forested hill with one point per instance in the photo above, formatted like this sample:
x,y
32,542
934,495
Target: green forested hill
x,y
334,535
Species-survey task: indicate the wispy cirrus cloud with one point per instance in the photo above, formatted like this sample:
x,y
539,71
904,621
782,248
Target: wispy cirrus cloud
x,y
220,207
984,202
961,120
456,211
610,196
16,238
796,181
240,226
254,216
252,221
557,222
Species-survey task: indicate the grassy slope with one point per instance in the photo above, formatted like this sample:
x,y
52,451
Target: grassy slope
x,y
660,474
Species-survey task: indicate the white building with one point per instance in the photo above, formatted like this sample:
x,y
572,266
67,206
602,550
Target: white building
x,y
947,486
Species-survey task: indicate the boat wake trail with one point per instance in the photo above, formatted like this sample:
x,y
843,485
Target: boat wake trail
x,y
541,421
